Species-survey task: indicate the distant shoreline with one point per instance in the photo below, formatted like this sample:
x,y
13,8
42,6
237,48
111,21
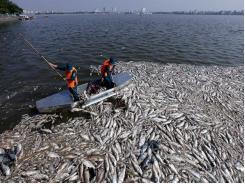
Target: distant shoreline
x,y
89,13
145,13
6,18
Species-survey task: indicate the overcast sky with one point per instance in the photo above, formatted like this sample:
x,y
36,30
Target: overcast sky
x,y
122,5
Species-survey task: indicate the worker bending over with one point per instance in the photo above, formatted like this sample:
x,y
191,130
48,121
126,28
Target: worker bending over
x,y
106,72
71,78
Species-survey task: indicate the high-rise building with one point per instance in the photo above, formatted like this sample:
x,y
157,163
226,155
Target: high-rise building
x,y
114,10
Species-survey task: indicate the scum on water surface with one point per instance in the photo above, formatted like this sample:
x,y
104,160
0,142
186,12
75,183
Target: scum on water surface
x,y
175,123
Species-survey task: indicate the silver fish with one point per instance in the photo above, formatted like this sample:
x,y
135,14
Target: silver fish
x,y
121,175
53,155
5,169
88,164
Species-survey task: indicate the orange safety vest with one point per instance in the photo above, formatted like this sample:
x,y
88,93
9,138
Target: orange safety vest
x,y
71,83
104,66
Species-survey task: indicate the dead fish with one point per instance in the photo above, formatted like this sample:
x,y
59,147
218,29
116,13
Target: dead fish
x,y
40,177
86,175
119,131
29,173
155,174
194,173
204,180
115,153
112,168
181,124
167,122
121,175
159,120
48,131
239,166
100,175
62,167
2,151
88,164
98,138
172,167
176,158
124,135
105,131
113,159
71,156
114,177
75,109
156,164
73,178
145,180
137,168
106,138
176,115
62,177
106,165
5,169
80,173
85,137
175,179
53,155
18,150
54,145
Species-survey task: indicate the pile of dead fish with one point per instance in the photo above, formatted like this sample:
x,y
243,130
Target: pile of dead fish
x,y
173,123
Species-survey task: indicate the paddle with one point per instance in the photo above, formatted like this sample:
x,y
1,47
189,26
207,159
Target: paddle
x,y
37,53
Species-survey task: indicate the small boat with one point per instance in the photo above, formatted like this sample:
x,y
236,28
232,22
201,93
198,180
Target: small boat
x,y
63,99
25,17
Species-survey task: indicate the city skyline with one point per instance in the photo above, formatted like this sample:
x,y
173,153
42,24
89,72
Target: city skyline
x,y
128,5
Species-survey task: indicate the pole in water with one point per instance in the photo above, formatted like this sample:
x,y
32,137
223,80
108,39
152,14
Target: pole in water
x,y
38,53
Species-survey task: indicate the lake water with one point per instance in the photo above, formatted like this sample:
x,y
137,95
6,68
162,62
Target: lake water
x,y
78,39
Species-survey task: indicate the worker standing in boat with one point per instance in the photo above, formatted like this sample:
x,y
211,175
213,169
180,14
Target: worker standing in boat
x,y
71,78
106,72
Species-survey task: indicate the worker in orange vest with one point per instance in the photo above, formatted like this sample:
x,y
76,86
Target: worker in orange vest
x,y
71,78
106,71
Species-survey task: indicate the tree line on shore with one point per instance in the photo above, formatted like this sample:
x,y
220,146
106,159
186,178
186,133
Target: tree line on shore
x,y
8,7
